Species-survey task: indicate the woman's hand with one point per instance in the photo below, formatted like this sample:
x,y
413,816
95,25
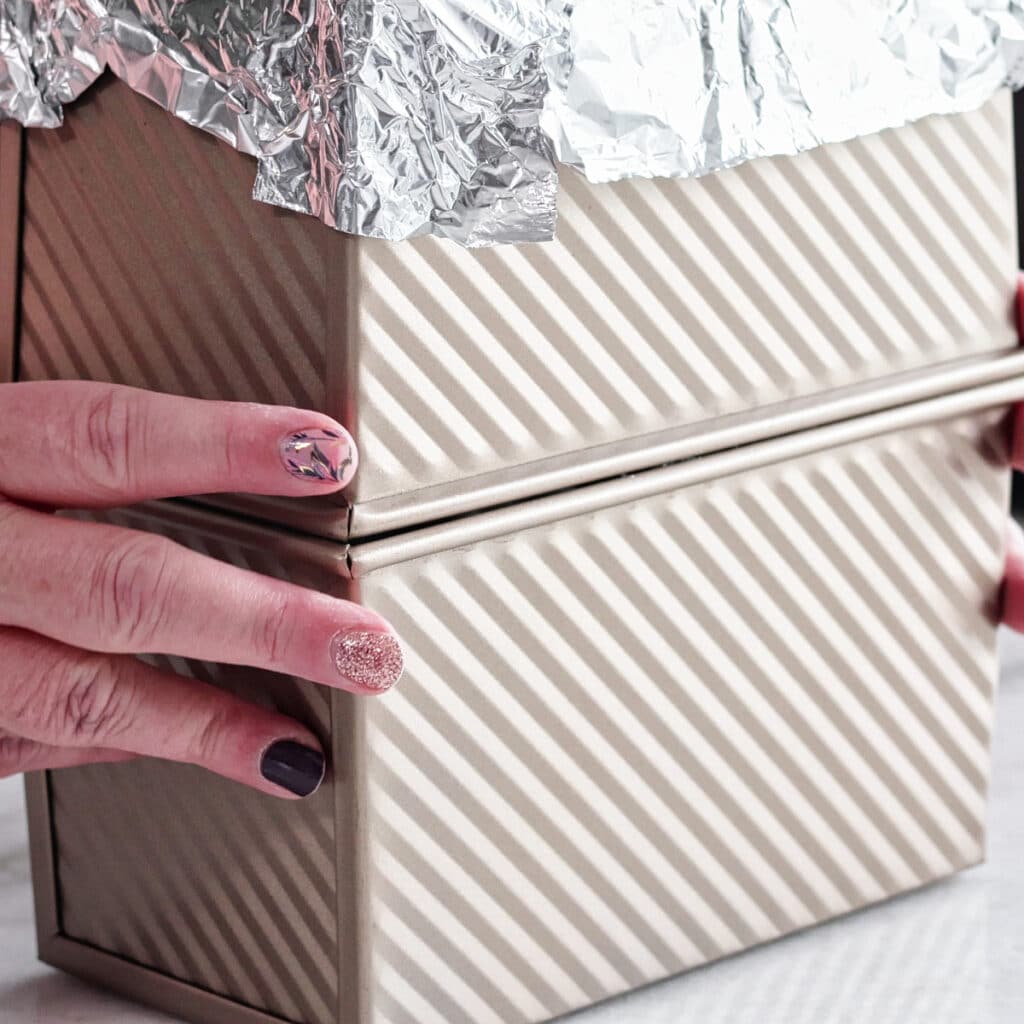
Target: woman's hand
x,y
1013,585
77,599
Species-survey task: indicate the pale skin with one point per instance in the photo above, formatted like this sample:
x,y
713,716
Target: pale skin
x,y
1013,585
78,599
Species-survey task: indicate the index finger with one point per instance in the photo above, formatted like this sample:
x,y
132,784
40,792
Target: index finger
x,y
88,445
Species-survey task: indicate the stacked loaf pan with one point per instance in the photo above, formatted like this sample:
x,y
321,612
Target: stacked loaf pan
x,y
691,522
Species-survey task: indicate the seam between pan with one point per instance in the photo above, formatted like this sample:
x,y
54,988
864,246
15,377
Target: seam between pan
x,y
370,556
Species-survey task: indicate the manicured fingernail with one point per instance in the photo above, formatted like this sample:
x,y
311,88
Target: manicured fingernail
x,y
373,660
325,455
293,766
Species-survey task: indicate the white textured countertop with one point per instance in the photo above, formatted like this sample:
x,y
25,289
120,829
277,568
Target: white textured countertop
x,y
951,954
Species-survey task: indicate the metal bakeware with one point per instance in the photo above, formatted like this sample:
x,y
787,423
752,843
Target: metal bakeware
x,y
666,313
645,724
10,241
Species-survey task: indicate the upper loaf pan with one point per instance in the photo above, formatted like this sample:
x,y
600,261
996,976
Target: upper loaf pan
x,y
669,318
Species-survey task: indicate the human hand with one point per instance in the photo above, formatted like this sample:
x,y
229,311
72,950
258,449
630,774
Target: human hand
x,y
78,599
1013,583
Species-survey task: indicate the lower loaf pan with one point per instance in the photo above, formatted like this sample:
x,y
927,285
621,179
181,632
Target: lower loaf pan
x,y
643,726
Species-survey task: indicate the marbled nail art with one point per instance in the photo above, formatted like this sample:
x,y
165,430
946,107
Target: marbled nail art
x,y
318,455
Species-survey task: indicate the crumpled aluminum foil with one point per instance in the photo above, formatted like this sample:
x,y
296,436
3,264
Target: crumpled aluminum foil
x,y
395,118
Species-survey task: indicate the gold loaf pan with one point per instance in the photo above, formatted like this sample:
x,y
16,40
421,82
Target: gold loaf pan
x,y
663,314
644,725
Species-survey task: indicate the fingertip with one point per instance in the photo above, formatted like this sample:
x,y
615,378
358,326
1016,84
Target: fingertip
x,y
1013,582
368,661
342,644
261,748
1014,538
292,768
1017,437
1020,306
322,456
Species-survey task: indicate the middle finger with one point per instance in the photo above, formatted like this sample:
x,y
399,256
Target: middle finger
x,y
110,589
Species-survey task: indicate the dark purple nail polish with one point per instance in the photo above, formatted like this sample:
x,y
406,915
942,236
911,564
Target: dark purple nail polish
x,y
293,766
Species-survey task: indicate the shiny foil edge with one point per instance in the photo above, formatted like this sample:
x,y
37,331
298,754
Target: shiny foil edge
x,y
398,118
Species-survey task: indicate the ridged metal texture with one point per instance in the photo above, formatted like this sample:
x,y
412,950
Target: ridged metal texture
x,y
628,742
661,304
131,276
10,210
199,878
635,741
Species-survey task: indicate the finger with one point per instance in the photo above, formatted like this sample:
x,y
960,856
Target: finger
x,y
1017,440
1020,306
1013,583
88,445
109,589
18,755
58,696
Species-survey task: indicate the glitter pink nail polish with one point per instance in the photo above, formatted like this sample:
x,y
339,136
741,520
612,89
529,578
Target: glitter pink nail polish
x,y
373,660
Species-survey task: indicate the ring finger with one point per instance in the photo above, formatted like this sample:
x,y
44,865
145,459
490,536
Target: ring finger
x,y
109,589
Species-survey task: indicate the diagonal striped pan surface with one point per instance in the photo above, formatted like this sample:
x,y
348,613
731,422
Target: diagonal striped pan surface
x,y
146,262
667,303
10,215
628,742
199,878
635,741
661,305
